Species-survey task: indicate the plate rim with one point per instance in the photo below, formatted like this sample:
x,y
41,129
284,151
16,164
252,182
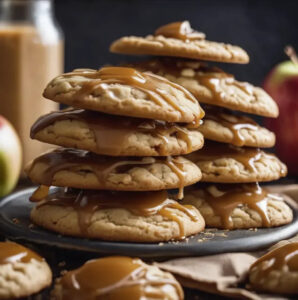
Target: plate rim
x,y
153,250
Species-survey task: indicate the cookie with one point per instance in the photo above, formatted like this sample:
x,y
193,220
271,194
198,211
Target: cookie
x,y
224,126
85,170
276,271
168,41
236,206
22,271
117,216
115,135
117,277
125,91
226,163
213,86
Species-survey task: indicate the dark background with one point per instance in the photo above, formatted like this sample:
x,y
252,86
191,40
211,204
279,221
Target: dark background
x,y
261,27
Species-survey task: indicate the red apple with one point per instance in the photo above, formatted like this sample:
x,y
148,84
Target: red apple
x,y
10,157
282,84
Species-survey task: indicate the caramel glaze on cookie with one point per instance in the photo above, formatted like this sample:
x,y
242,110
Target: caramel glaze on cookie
x,y
212,85
111,132
151,85
277,271
117,278
224,198
248,157
11,252
86,203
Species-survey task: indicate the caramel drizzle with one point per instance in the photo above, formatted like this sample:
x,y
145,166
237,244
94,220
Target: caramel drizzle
x,y
102,166
278,259
12,253
214,81
152,85
112,132
86,203
231,197
181,31
115,278
211,77
247,156
235,123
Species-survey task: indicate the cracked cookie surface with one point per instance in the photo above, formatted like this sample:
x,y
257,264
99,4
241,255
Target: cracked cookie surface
x,y
236,206
229,164
20,278
127,92
115,135
213,86
119,216
85,170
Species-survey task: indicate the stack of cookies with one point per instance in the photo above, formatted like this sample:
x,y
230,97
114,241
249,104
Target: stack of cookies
x,y
231,161
122,144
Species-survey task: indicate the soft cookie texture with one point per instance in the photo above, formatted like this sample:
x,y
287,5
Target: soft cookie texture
x,y
164,46
126,92
115,135
118,277
227,127
229,164
22,279
118,224
84,170
213,86
242,216
272,272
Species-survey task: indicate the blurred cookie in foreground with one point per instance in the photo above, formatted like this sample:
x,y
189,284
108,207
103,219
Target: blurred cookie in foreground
x,y
117,278
180,40
276,271
115,135
225,163
22,271
85,170
126,92
116,216
212,85
235,206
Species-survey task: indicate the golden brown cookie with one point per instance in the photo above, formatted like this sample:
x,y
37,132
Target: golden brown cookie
x,y
213,86
235,206
85,170
22,271
117,277
224,126
226,163
117,216
127,92
276,271
115,135
178,39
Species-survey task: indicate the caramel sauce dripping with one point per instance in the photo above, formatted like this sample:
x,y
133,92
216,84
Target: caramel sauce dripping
x,y
278,259
152,85
180,30
64,159
12,253
247,156
211,77
235,123
230,197
114,278
112,132
87,202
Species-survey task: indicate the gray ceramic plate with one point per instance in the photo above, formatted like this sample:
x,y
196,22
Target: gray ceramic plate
x,y
14,224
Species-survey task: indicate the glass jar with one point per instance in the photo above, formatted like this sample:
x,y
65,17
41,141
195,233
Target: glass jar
x,y
31,54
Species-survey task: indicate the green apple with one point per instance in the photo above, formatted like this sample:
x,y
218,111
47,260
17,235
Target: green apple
x,y
10,157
